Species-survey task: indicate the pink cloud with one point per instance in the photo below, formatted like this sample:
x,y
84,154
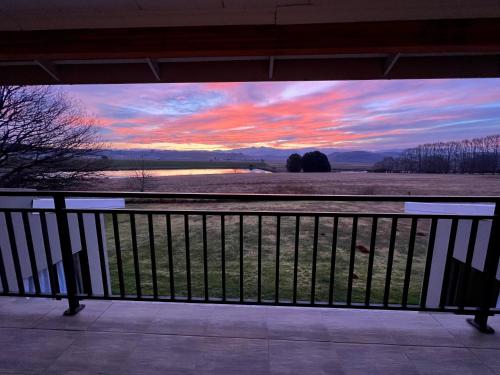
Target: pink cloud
x,y
373,114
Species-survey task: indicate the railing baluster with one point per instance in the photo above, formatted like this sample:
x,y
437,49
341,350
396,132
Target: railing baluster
x,y
188,256
3,274
100,247
333,259
119,263
409,261
54,282
84,259
151,236
14,251
63,232
296,258
31,251
136,256
428,262
205,256
371,258
223,254
463,284
277,271
447,266
170,256
241,259
390,260
259,259
352,258
314,259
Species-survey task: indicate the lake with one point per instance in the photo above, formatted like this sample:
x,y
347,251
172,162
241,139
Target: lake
x,y
181,172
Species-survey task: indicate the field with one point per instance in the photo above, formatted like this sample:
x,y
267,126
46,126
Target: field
x,y
320,183
338,183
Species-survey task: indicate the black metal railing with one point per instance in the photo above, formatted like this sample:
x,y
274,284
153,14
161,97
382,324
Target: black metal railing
x,y
327,259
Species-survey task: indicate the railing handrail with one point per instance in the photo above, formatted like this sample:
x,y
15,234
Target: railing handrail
x,y
280,213
255,197
146,211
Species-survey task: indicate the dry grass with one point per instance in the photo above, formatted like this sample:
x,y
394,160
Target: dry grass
x,y
321,183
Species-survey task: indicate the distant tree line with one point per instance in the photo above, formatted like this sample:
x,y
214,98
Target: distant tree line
x,y
477,155
314,161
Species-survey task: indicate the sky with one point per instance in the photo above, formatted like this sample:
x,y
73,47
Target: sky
x,y
354,115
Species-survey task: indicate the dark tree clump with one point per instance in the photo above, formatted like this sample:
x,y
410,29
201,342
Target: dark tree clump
x,y
294,163
315,162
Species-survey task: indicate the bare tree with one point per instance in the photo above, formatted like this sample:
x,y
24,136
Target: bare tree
x,y
142,178
46,139
477,155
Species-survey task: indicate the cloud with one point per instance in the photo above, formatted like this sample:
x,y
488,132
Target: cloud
x,y
354,114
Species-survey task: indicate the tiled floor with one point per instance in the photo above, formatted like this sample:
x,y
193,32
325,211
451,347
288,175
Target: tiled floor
x,y
146,338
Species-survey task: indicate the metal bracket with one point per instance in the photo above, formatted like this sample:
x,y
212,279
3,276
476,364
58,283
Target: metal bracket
x,y
480,322
74,311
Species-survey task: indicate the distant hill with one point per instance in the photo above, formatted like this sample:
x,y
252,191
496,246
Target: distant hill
x,y
363,157
254,154
173,155
276,154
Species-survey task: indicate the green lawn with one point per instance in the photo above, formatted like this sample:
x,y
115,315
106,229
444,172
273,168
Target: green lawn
x,y
286,259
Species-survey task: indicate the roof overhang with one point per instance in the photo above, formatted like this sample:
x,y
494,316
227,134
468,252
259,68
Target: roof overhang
x,y
346,48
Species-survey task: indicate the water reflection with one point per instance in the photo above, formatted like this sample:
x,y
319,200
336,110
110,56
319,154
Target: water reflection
x,y
182,172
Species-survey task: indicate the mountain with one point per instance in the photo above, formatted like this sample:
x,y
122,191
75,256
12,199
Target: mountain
x,y
173,155
360,157
267,154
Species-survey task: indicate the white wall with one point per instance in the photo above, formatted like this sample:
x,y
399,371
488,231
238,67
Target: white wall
x,y
463,233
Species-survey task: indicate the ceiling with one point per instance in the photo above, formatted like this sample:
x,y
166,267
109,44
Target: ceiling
x,y
84,14
125,41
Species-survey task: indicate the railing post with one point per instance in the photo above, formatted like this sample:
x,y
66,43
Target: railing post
x,y
67,255
480,320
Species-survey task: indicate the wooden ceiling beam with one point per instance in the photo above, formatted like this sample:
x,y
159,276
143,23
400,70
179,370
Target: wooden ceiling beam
x,y
49,68
413,67
155,68
390,62
392,37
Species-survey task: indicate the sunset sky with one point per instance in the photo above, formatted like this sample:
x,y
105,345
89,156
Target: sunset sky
x,y
363,115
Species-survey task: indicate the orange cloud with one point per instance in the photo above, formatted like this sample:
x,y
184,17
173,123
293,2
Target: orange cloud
x,y
368,114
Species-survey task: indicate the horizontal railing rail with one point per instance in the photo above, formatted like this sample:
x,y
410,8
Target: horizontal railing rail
x,y
252,213
253,197
371,260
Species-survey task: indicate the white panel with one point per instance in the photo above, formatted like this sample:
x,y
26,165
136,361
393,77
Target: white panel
x,y
82,203
461,243
450,208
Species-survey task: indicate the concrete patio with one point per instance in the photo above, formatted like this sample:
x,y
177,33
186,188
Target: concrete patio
x,y
134,337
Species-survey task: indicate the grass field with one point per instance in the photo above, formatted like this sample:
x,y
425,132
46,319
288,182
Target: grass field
x,y
340,183
286,258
